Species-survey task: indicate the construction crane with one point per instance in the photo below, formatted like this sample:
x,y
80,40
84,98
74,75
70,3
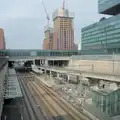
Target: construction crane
x,y
47,15
63,4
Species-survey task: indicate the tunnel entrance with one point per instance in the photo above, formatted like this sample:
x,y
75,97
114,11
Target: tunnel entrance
x,y
37,62
28,63
11,64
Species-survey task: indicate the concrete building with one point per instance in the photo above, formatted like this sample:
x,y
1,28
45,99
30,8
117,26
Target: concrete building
x,y
63,32
48,40
103,37
3,77
2,39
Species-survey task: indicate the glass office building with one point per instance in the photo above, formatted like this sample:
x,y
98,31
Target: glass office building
x,y
111,7
103,37
107,101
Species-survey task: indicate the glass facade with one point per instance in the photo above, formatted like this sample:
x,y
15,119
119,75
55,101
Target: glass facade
x,y
18,53
108,103
109,6
104,35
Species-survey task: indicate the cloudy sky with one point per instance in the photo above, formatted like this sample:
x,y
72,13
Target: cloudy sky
x,y
23,20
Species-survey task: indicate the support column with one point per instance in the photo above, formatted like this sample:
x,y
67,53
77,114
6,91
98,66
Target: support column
x,y
58,75
68,78
34,62
50,74
45,62
40,63
53,63
45,71
78,79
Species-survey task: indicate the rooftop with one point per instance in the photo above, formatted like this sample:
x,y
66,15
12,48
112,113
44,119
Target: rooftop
x,y
2,61
63,13
102,24
110,7
103,91
12,87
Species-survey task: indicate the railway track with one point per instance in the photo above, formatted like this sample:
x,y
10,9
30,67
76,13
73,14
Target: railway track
x,y
28,105
55,108
32,109
57,112
39,102
72,112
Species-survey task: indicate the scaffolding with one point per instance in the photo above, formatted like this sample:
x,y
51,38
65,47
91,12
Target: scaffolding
x,y
63,13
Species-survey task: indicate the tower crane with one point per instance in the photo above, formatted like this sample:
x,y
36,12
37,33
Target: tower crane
x,y
47,15
63,4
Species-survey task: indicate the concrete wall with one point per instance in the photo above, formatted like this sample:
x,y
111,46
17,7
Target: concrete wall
x,y
96,66
3,73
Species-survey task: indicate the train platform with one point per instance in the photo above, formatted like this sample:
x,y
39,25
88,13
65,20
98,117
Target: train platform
x,y
12,87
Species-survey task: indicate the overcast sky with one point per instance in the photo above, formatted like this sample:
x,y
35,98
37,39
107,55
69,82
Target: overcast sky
x,y
23,20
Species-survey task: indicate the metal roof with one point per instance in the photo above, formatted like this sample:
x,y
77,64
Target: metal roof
x,y
103,91
12,87
96,112
3,61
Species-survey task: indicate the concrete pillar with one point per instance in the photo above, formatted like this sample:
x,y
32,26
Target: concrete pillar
x,y
68,78
58,75
45,62
53,63
34,62
50,74
45,71
78,79
40,62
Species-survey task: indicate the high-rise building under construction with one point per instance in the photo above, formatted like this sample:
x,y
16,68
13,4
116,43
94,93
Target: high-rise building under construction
x,y
2,39
48,39
61,36
63,31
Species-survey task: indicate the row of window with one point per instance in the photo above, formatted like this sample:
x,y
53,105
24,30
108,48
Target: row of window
x,y
99,38
106,24
102,31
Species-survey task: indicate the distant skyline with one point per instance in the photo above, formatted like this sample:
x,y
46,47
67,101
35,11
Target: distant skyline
x,y
23,20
